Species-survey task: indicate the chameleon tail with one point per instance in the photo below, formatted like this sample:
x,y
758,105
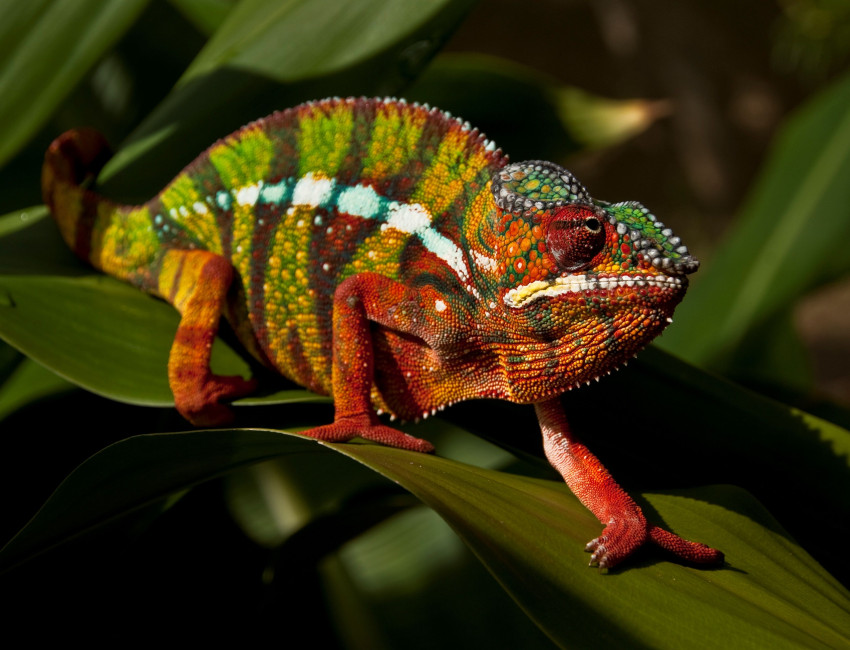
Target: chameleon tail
x,y
71,163
117,239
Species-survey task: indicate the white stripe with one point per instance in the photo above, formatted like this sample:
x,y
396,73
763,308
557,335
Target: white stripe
x,y
409,217
312,191
274,193
483,261
248,195
532,291
359,201
446,250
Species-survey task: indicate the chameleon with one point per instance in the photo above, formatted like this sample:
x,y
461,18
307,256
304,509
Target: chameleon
x,y
389,255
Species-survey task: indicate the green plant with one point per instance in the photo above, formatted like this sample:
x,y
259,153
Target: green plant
x,y
256,531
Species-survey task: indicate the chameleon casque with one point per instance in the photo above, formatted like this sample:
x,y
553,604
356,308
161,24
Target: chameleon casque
x,y
386,253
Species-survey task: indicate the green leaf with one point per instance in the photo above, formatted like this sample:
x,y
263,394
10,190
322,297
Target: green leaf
x,y
791,235
529,104
270,55
277,40
119,480
528,532
206,15
46,46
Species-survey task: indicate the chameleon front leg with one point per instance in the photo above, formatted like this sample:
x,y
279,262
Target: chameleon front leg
x,y
626,528
197,283
357,301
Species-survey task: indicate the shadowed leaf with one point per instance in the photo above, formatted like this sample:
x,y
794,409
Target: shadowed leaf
x,y
528,532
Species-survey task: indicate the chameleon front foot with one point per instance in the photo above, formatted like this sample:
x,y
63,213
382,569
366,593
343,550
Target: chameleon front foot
x,y
201,403
344,429
621,538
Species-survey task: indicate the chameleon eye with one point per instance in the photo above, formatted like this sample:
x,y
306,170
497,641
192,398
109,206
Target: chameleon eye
x,y
574,237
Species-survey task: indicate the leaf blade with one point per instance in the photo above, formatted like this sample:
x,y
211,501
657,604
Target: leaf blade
x,y
526,531
49,46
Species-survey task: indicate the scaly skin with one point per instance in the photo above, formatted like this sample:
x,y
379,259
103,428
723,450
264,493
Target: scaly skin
x,y
386,254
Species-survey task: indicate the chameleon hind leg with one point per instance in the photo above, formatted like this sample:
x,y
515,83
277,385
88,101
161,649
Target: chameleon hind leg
x,y
357,301
197,283
626,527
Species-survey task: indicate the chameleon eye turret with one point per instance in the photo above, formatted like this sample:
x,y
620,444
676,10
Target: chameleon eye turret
x,y
385,253
575,236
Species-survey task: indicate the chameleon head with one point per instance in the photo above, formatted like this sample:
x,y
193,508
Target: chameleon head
x,y
595,280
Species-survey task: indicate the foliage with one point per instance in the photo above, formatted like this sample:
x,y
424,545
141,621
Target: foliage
x,y
256,532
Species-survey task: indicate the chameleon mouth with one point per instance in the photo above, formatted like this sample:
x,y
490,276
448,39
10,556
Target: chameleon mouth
x,y
528,293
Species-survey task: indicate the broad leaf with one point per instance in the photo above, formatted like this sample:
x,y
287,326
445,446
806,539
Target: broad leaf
x,y
269,55
46,46
206,15
528,532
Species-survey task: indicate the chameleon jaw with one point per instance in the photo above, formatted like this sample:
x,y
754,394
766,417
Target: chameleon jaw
x,y
528,293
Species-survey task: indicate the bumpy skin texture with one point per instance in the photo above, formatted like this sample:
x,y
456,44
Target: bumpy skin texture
x,y
386,254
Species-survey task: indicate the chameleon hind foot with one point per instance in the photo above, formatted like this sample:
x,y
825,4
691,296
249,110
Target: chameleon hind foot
x,y
199,400
344,429
197,282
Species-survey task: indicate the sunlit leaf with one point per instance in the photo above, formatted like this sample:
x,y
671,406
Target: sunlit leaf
x,y
277,39
528,532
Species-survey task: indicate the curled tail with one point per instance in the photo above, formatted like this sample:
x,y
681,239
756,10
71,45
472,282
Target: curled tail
x,y
72,162
117,239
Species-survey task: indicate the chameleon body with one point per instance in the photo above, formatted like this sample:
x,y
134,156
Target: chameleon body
x,y
387,254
